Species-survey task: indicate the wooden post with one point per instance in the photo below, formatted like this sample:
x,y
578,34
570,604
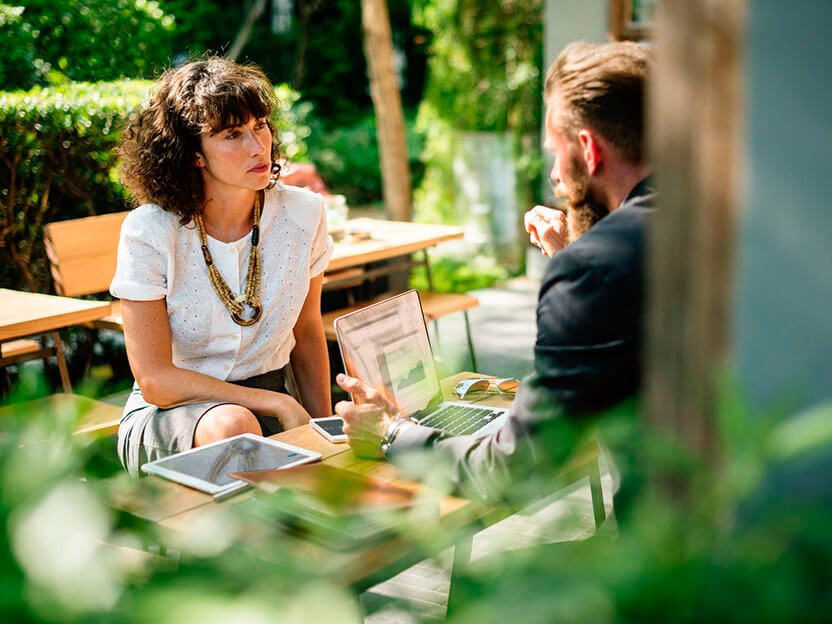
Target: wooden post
x,y
387,102
696,120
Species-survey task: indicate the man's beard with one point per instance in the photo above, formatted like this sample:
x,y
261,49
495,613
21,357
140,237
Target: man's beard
x,y
586,207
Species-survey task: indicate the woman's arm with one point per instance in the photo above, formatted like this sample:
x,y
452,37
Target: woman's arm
x,y
310,361
148,341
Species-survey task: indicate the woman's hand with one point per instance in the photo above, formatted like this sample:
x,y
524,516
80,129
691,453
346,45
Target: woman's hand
x,y
287,410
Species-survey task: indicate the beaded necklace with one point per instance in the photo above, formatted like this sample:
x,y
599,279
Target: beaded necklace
x,y
251,295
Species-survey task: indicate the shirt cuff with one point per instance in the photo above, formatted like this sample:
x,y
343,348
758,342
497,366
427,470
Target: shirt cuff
x,y
321,262
413,437
134,291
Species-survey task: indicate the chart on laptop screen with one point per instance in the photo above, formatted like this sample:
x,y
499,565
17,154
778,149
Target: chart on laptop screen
x,y
386,345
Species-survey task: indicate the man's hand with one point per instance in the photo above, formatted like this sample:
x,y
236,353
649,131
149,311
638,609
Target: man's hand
x,y
547,229
365,424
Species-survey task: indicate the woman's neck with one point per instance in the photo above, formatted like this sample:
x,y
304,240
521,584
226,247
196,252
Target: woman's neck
x,y
229,217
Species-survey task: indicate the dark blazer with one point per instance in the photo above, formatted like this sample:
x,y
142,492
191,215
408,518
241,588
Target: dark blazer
x,y
590,314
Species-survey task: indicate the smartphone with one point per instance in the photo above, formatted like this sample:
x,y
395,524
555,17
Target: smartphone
x,y
331,428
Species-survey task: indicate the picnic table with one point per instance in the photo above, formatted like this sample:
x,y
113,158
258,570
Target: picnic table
x,y
25,314
178,508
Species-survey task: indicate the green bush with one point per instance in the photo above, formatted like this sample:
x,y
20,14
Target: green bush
x,y
94,40
17,57
452,274
484,76
348,158
57,161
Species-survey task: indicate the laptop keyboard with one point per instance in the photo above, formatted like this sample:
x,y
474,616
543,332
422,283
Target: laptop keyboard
x,y
460,419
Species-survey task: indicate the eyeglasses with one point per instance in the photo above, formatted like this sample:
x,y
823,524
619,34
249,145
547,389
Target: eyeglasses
x,y
478,386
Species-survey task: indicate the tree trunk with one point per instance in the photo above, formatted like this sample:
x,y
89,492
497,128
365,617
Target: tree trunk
x,y
696,120
254,12
387,102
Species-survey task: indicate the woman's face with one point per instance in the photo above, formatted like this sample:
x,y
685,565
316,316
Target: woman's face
x,y
236,157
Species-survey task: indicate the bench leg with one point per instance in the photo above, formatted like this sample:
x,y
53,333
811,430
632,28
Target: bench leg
x,y
62,368
462,558
470,342
597,493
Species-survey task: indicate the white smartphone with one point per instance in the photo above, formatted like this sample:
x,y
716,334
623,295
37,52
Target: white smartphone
x,y
331,428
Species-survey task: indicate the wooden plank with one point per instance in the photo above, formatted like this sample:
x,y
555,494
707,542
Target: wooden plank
x,y
92,417
388,239
434,306
82,252
79,238
25,314
15,348
85,275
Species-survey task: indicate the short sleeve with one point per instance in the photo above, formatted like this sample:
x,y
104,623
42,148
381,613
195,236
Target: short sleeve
x,y
144,249
322,244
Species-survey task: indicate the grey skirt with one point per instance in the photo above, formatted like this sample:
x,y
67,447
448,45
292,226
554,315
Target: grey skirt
x,y
147,432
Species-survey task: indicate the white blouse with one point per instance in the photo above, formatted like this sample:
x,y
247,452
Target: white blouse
x,y
160,259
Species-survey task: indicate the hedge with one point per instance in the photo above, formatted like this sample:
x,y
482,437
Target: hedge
x,y
57,161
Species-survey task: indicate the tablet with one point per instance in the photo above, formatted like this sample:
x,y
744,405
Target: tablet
x,y
206,467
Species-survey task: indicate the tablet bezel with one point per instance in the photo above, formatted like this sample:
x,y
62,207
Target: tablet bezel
x,y
157,468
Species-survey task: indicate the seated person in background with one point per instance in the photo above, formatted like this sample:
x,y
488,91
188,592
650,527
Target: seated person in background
x,y
591,302
304,175
219,270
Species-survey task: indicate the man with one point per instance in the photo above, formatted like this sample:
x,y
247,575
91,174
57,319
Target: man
x,y
591,304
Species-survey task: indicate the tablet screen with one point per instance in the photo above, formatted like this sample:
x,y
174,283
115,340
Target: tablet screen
x,y
211,464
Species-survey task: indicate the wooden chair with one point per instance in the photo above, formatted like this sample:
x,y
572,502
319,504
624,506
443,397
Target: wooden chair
x,y
82,257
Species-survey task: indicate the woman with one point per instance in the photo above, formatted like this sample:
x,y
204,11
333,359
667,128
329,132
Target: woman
x,y
219,270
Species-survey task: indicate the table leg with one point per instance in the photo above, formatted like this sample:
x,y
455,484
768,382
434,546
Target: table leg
x,y
62,367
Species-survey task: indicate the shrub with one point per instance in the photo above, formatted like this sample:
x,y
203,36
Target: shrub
x,y
100,39
57,161
456,274
17,57
348,158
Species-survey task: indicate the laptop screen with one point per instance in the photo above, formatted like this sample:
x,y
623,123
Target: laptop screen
x,y
386,346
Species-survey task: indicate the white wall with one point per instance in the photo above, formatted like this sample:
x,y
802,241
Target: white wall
x,y
783,320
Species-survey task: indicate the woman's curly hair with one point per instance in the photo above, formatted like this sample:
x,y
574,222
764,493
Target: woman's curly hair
x,y
159,146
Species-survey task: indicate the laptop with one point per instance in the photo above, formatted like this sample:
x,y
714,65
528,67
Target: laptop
x,y
386,346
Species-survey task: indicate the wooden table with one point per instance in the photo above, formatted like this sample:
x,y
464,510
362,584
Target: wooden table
x,y
179,509
176,508
387,239
25,314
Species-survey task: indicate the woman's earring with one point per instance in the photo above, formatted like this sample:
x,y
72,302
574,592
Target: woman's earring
x,y
275,175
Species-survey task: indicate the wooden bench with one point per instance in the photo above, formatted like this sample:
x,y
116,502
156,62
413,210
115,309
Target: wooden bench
x,y
434,305
92,417
82,256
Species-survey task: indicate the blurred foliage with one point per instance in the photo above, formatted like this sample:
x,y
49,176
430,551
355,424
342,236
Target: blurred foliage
x,y
348,159
89,40
484,76
57,161
485,60
321,56
67,554
18,67
455,274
